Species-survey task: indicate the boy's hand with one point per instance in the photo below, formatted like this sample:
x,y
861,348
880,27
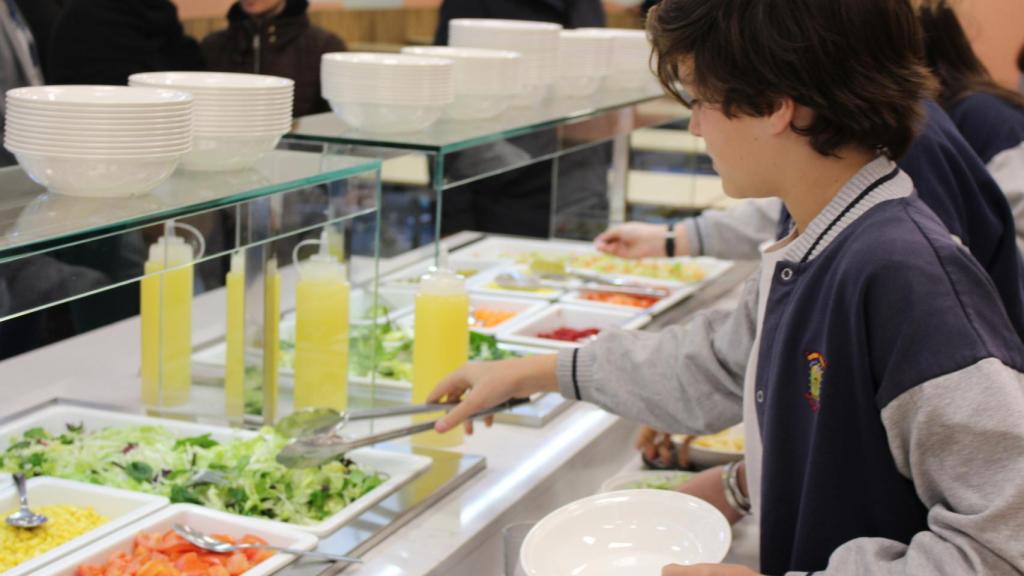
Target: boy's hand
x,y
707,570
481,385
656,446
636,240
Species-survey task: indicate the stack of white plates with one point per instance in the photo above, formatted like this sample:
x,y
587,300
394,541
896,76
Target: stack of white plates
x,y
386,92
630,60
238,117
98,140
584,59
536,41
485,80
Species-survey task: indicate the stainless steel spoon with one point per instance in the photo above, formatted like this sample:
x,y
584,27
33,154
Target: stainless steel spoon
x,y
24,518
213,545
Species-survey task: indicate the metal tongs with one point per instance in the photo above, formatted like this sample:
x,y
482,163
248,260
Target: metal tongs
x,y
317,438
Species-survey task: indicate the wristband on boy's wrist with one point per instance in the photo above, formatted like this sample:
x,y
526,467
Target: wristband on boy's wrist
x,y
731,486
670,240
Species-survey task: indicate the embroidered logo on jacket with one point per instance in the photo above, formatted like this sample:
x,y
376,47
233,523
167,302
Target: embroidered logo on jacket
x,y
816,365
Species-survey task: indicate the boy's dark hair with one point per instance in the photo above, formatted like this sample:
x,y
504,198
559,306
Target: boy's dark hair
x,y
856,63
951,58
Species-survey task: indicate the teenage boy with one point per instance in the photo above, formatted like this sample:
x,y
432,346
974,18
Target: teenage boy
x,y
876,371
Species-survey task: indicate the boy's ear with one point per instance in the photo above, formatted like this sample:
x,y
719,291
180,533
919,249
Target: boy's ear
x,y
786,113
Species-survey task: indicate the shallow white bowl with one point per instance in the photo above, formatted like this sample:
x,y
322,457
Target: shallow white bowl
x,y
100,176
232,130
375,60
527,330
478,70
477,106
91,150
202,519
211,153
215,81
387,118
49,132
628,532
120,97
60,118
120,507
577,86
500,26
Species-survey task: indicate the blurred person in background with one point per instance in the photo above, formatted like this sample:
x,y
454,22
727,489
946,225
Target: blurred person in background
x,y
989,116
520,201
19,60
105,41
41,15
274,37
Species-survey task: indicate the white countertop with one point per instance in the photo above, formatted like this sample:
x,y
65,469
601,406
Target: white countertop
x,y
530,471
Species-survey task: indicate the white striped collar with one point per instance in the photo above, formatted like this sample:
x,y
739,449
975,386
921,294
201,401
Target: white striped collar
x,y
899,187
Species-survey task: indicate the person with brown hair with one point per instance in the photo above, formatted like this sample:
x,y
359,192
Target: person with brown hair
x,y
274,37
870,359
990,117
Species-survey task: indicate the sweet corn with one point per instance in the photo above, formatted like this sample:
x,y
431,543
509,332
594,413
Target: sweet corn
x,y
65,523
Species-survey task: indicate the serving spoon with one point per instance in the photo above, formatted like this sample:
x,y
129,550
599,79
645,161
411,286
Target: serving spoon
x,y
24,518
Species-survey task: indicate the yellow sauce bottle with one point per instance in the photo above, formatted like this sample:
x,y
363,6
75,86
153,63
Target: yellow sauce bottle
x,y
271,339
321,330
166,314
234,375
441,342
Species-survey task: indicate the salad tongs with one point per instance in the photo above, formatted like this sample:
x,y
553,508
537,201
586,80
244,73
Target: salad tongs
x,y
316,449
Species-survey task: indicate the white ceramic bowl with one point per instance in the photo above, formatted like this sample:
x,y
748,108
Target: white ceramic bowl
x,y
627,532
584,52
478,70
577,86
387,118
537,42
202,519
120,97
121,150
228,152
50,132
63,117
120,507
215,82
98,176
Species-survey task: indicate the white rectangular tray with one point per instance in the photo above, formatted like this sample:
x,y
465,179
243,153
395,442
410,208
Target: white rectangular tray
x,y
506,248
202,519
408,278
524,331
399,467
521,306
481,284
120,507
676,293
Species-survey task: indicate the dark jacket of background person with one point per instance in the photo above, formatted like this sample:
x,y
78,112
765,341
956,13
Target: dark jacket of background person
x,y
105,41
568,13
41,15
285,45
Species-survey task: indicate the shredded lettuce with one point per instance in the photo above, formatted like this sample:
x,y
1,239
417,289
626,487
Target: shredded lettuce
x,y
152,459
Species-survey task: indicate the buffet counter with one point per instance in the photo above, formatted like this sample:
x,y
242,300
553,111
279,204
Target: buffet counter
x,y
529,471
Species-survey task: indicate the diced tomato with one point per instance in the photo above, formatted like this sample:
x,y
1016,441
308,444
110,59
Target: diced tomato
x,y
237,564
218,571
89,570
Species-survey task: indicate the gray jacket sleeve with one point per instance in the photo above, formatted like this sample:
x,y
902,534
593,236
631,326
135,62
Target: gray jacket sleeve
x,y
685,379
735,233
965,456
1007,169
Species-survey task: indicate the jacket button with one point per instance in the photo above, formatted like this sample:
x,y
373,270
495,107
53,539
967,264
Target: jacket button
x,y
760,396
787,273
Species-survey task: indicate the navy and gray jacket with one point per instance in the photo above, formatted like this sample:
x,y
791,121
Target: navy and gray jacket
x,y
950,179
887,389
994,128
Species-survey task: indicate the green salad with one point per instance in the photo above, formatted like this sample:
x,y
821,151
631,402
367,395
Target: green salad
x,y
152,459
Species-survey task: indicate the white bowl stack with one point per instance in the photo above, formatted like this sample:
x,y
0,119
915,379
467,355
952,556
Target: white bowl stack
x,y
630,60
379,92
238,117
537,42
484,79
101,141
584,60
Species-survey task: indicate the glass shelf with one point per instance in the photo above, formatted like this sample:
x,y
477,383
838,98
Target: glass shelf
x,y
447,136
33,220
